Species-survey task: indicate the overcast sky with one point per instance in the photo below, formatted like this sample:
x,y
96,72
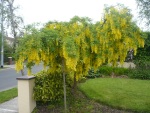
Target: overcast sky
x,y
62,10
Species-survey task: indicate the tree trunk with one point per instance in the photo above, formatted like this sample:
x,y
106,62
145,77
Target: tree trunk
x,y
74,88
64,85
13,24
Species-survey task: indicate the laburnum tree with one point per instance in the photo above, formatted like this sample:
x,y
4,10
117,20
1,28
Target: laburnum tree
x,y
118,34
74,47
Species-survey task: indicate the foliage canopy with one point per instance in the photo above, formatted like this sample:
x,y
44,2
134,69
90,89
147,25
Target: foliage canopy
x,y
79,45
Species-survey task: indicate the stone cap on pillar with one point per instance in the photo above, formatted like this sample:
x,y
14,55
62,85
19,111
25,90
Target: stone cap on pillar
x,y
25,77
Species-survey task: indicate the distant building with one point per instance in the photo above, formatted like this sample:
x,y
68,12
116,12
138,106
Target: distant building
x,y
9,41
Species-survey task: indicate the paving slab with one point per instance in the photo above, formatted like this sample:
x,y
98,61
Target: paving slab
x,y
10,106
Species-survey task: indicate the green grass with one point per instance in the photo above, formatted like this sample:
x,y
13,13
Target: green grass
x,y
8,94
3,68
127,94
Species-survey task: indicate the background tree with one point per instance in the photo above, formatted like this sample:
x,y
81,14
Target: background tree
x,y
144,10
142,59
9,20
8,49
12,20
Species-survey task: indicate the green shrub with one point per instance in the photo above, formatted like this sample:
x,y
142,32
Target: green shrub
x,y
48,87
108,70
139,74
92,74
121,71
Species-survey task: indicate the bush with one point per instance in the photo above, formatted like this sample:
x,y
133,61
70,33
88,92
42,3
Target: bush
x,y
121,71
6,55
92,74
139,74
107,70
48,87
141,64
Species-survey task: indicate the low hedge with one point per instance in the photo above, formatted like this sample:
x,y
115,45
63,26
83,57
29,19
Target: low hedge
x,y
138,73
107,71
143,74
49,87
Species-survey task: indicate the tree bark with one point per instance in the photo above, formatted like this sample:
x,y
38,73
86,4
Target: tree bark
x,y
12,23
64,85
74,88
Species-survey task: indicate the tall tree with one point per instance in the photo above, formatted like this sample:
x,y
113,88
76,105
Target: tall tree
x,y
144,10
9,19
12,20
72,48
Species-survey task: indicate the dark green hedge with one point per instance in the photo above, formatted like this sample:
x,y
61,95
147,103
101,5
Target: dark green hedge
x,y
139,74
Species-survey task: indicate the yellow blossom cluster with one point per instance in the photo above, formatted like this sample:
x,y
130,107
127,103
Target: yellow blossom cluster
x,y
119,35
77,46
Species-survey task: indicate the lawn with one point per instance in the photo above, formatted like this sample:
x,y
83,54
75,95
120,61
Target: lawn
x,y
127,94
8,94
3,68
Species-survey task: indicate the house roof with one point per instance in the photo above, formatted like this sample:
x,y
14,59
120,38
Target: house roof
x,y
9,39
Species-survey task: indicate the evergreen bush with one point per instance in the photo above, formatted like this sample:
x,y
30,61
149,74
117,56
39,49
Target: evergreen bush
x,y
49,88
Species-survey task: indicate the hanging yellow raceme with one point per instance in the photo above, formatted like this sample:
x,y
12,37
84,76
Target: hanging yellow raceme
x,y
82,45
120,32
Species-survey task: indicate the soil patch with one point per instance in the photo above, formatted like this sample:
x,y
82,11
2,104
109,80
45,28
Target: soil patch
x,y
78,103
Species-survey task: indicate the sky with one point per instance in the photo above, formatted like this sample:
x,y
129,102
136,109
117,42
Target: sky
x,y
43,11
